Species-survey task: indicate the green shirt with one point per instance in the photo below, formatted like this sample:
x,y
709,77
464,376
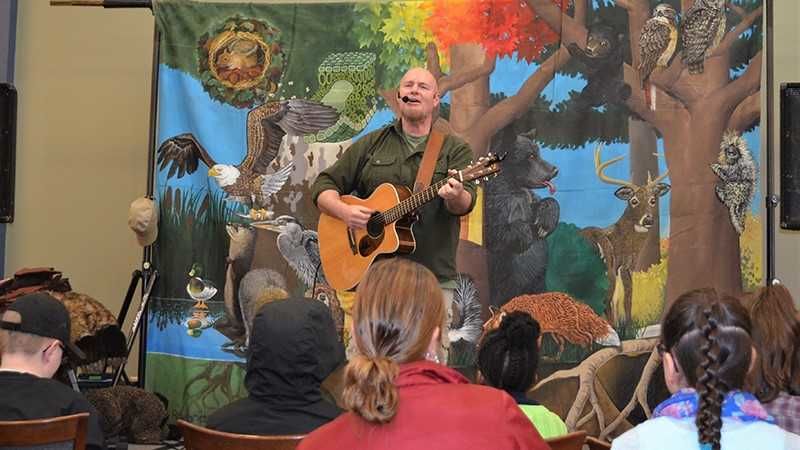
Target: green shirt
x,y
547,423
392,160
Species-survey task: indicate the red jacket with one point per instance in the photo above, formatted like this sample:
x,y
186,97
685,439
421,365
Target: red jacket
x,y
438,409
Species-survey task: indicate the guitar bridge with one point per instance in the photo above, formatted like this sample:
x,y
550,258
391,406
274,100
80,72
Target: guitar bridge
x,y
351,239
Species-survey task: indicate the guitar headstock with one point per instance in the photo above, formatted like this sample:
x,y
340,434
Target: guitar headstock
x,y
484,168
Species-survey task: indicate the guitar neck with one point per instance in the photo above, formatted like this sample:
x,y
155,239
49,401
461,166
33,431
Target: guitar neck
x,y
412,203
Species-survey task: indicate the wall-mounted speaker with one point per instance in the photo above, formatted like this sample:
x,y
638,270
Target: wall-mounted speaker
x,y
8,143
790,156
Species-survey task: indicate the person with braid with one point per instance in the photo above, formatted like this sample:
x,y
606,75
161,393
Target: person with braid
x,y
707,351
508,358
397,393
776,377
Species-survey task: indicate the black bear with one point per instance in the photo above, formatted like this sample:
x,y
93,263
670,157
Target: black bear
x,y
602,65
517,221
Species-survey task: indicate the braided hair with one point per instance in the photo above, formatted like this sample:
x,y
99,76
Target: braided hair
x,y
509,355
709,336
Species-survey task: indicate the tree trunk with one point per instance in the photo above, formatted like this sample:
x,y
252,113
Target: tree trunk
x,y
468,104
703,245
471,101
644,162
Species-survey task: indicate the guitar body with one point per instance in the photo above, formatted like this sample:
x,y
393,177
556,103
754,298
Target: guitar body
x,y
347,254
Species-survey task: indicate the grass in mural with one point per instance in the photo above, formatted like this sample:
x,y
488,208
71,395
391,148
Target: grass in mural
x,y
649,293
194,388
751,245
191,230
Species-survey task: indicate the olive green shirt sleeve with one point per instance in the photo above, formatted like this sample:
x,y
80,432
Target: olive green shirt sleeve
x,y
460,157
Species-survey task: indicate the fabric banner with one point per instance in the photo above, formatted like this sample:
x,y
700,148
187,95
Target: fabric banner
x,y
631,144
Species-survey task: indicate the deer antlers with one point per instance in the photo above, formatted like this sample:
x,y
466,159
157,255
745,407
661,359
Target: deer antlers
x,y
600,167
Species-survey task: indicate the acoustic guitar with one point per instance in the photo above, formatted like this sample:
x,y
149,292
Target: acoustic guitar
x,y
346,254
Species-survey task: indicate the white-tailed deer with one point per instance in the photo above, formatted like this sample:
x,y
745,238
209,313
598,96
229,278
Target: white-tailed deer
x,y
620,243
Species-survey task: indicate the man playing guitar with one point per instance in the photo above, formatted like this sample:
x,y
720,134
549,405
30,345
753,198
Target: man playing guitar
x,y
393,154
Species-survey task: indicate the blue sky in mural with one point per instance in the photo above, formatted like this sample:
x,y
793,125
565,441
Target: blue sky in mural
x,y
584,199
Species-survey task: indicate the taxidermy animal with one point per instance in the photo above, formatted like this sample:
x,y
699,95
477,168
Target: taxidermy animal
x,y
259,287
248,183
702,29
737,173
136,415
657,44
602,63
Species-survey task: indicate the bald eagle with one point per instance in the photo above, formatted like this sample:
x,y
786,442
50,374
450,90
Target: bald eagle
x,y
248,183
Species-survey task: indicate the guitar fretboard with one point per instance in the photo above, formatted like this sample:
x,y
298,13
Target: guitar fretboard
x,y
408,205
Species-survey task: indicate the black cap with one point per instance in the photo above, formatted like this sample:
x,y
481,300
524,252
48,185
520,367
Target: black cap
x,y
41,314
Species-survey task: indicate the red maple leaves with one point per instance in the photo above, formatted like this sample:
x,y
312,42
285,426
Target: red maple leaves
x,y
500,26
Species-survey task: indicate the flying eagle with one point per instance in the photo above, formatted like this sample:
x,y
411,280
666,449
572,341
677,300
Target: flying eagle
x,y
248,183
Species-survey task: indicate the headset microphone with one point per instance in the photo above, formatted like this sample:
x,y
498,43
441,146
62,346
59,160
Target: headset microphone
x,y
404,98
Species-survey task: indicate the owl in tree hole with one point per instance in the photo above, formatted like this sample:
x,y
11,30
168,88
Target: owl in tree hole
x,y
737,177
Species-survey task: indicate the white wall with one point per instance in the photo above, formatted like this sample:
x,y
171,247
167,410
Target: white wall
x,y
83,78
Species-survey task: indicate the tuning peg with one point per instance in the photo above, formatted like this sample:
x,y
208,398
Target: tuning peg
x,y
477,182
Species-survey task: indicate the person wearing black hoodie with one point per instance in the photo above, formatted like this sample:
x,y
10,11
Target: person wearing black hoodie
x,y
293,348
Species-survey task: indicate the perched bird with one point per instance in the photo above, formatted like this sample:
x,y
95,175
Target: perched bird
x,y
657,44
299,247
702,28
248,183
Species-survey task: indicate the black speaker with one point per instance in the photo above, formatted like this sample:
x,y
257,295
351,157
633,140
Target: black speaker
x,y
790,156
8,143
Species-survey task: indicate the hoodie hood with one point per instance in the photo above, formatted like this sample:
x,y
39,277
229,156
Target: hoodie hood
x,y
293,348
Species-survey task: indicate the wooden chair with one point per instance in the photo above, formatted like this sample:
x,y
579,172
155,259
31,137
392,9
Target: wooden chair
x,y
196,437
596,444
46,432
571,441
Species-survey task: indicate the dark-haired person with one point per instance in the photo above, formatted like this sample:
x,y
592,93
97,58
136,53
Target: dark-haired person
x,y
398,394
707,351
294,347
508,359
775,379
34,338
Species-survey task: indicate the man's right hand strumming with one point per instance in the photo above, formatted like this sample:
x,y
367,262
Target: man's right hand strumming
x,y
355,216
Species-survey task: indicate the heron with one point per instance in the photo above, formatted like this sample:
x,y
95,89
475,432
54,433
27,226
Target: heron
x,y
298,246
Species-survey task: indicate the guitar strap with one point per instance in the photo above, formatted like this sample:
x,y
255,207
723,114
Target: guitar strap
x,y
429,158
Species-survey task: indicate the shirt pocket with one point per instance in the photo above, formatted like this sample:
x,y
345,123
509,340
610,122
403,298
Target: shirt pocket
x,y
382,168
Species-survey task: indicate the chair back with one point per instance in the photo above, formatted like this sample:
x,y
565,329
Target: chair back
x,y
596,444
70,431
571,441
196,437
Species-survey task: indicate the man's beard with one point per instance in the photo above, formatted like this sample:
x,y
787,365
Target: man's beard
x,y
415,116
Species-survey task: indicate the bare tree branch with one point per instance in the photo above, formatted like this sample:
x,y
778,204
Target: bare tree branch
x,y
570,29
744,86
455,80
737,9
509,109
434,66
741,27
580,10
638,13
748,111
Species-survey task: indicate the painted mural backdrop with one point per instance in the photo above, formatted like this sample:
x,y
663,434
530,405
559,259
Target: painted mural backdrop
x,y
632,144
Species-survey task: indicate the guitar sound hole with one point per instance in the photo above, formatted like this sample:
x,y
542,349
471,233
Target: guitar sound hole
x,y
375,226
